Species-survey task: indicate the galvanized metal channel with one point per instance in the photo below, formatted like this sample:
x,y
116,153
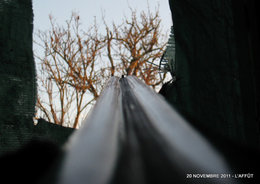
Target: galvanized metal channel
x,y
133,136
92,151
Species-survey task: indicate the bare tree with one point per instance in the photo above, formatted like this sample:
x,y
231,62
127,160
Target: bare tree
x,y
138,45
75,64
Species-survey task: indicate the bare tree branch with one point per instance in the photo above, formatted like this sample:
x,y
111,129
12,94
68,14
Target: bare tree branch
x,y
74,65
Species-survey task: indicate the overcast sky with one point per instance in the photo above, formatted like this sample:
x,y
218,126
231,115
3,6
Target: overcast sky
x,y
114,10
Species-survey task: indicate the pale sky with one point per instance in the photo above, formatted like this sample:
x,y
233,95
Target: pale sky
x,y
114,10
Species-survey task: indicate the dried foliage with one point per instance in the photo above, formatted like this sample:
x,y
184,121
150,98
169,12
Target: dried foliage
x,y
75,64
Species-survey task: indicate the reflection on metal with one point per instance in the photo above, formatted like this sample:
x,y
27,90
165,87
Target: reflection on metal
x,y
133,136
92,151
